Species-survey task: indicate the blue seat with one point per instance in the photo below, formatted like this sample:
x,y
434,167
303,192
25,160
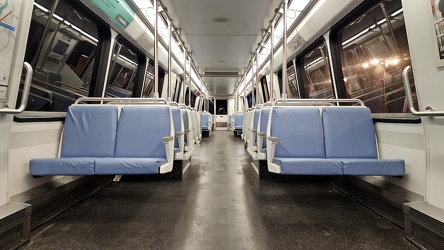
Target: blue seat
x,y
139,147
185,124
262,130
254,128
89,132
238,121
350,137
205,121
299,143
179,131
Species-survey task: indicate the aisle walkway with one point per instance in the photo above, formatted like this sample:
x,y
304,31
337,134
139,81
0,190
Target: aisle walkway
x,y
219,205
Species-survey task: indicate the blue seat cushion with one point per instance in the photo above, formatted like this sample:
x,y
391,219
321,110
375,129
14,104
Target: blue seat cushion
x,y
89,131
299,130
112,166
349,132
205,120
238,121
309,166
62,166
359,166
140,131
177,120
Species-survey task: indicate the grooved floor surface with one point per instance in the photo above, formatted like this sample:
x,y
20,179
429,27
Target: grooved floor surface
x,y
219,205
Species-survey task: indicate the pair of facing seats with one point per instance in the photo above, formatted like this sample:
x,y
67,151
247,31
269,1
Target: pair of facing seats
x,y
325,141
109,140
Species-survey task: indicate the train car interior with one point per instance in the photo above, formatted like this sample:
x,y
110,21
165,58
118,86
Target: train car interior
x,y
205,124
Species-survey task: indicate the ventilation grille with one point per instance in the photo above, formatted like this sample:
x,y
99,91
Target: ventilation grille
x,y
433,223
426,236
221,73
13,218
11,237
424,230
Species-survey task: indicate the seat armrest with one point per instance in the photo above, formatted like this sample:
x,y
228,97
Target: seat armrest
x,y
274,140
178,134
167,139
271,147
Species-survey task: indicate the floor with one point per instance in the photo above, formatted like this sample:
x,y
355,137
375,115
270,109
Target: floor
x,y
219,205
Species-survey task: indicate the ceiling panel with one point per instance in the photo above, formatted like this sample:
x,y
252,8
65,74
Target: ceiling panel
x,y
219,46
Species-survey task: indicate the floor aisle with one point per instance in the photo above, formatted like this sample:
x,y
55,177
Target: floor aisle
x,y
219,205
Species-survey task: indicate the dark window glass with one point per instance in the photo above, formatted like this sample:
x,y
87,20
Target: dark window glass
x,y
62,58
316,73
373,52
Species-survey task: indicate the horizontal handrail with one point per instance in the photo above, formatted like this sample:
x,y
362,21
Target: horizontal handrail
x,y
408,94
121,100
25,93
316,101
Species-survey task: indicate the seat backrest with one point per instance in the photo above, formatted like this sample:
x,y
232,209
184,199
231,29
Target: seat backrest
x,y
177,120
89,131
349,132
263,124
205,120
140,131
238,120
256,118
185,122
255,125
299,130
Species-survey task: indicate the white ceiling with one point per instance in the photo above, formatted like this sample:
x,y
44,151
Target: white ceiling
x,y
225,46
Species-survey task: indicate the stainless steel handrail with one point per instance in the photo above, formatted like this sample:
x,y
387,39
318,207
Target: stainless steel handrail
x,y
25,95
408,95
315,101
123,100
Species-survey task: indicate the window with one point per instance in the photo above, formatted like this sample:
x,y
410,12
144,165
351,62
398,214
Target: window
x,y
316,76
373,51
292,91
148,86
63,57
123,73
264,87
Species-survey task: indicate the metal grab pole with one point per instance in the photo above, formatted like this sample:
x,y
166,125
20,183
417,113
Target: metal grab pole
x,y
272,97
170,30
156,50
245,89
184,80
190,83
257,80
284,52
253,86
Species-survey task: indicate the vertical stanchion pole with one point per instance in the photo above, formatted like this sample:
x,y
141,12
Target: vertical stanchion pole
x,y
156,49
245,91
284,52
257,79
189,83
272,61
184,83
253,85
170,71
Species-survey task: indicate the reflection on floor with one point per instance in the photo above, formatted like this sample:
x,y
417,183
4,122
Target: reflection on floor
x,y
219,205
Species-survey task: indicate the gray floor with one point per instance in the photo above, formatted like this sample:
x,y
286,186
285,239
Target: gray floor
x,y
219,205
